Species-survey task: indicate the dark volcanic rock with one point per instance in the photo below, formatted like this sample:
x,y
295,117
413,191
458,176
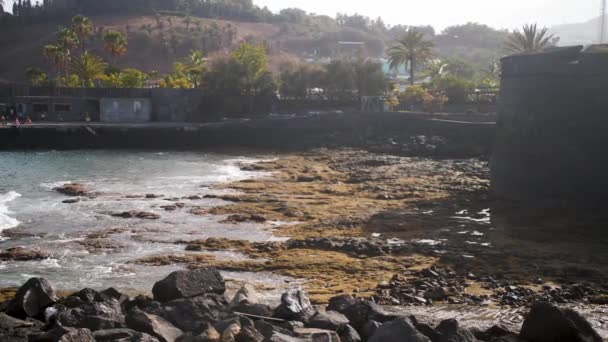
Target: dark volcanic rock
x,y
152,325
363,311
249,334
72,189
548,323
94,316
32,299
295,306
369,329
191,283
194,314
399,330
23,254
123,335
71,201
137,214
78,335
329,320
450,331
341,303
13,329
348,334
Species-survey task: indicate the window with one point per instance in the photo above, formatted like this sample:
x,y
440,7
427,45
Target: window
x,y
63,107
40,108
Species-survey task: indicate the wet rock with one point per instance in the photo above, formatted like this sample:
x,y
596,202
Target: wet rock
x,y
153,325
363,311
249,334
13,329
398,330
317,335
137,214
341,303
72,189
548,323
329,320
93,316
348,334
240,218
169,207
71,201
308,179
123,335
153,196
268,330
246,293
369,329
78,335
253,309
295,305
450,331
113,294
194,314
23,254
194,198
190,283
32,299
496,333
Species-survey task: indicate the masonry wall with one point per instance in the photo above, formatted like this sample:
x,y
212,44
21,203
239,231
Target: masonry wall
x,y
552,130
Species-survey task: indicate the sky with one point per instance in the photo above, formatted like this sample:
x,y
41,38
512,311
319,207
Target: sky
x,y
441,13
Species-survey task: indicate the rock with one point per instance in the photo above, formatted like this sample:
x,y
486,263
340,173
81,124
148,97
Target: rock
x,y
71,201
88,295
230,332
153,325
268,330
239,218
245,293
113,294
72,189
194,314
398,330
187,284
93,316
437,293
329,320
317,335
426,330
32,299
307,179
496,332
210,335
253,309
295,305
153,196
363,311
78,335
122,335
23,254
369,329
137,214
249,334
348,334
341,303
13,329
548,323
450,331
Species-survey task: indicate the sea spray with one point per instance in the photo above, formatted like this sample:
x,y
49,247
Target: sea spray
x,y
6,221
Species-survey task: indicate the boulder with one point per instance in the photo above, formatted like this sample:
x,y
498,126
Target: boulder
x,y
123,335
317,335
230,332
245,293
249,334
329,320
341,303
548,323
194,314
58,333
32,299
268,330
23,254
93,316
295,305
13,329
153,325
363,311
72,189
137,214
450,331
253,309
210,335
369,329
348,334
496,333
188,284
398,330
77,335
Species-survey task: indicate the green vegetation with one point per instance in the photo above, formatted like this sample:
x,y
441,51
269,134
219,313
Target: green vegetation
x,y
411,49
530,39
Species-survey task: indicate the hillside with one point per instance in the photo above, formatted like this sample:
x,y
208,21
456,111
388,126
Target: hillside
x,y
579,33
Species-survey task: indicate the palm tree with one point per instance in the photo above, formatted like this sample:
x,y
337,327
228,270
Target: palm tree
x,y
196,63
83,28
531,39
115,43
55,55
36,76
413,49
88,68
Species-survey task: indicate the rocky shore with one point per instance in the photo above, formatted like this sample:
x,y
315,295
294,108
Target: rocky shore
x,y
191,306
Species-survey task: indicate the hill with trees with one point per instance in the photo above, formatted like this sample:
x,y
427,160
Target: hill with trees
x,y
161,32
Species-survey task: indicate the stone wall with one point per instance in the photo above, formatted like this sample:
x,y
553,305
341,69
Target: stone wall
x,y
552,128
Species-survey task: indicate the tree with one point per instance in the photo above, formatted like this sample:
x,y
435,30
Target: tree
x,y
254,61
89,68
83,28
36,76
54,54
115,44
413,49
126,78
195,67
529,40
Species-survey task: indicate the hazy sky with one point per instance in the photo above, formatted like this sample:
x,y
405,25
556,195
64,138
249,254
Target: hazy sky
x,y
442,13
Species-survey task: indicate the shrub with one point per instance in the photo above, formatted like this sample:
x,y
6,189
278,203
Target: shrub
x,y
455,88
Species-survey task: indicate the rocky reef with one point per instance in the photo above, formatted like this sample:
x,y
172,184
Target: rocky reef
x,y
191,306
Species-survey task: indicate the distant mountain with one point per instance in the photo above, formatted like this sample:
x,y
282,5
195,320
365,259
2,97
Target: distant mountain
x,y
578,34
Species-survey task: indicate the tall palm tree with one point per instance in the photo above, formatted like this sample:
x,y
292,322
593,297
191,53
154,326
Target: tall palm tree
x,y
115,43
55,55
413,49
89,68
530,39
83,28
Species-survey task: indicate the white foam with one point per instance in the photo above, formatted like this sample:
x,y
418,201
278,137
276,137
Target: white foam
x,y
6,221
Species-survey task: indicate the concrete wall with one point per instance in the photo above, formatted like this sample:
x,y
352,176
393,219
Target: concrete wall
x,y
552,129
125,110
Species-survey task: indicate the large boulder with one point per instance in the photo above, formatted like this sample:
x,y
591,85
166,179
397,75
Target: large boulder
x,y
194,314
341,303
295,306
13,329
329,320
348,334
153,325
77,335
32,299
398,330
93,316
188,284
123,335
450,331
548,323
363,311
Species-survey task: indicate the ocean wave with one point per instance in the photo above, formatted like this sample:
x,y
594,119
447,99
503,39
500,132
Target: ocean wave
x,y
6,221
